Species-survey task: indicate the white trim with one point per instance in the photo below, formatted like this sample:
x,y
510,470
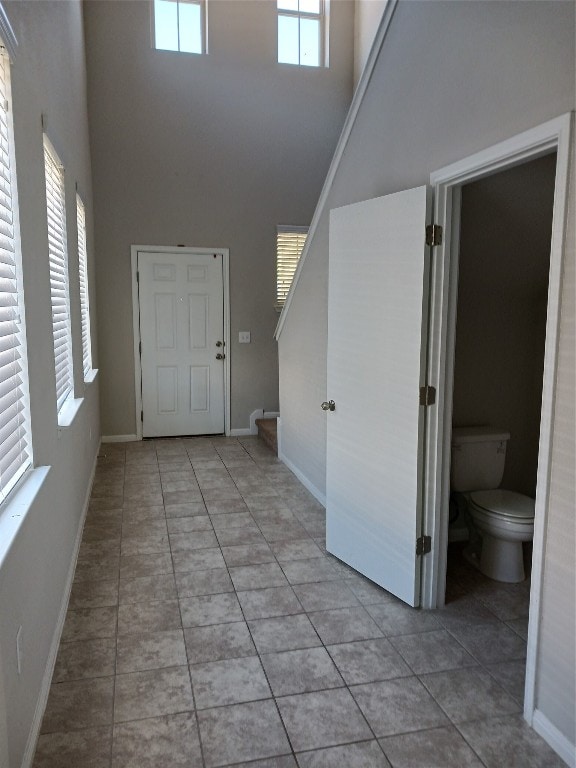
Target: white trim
x,y
245,432
552,736
357,100
14,511
7,33
318,495
120,438
550,136
51,660
134,250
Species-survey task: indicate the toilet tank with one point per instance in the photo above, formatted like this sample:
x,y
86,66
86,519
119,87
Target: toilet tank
x,y
478,458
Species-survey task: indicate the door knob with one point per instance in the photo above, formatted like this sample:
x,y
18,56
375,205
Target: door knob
x,y
220,356
328,406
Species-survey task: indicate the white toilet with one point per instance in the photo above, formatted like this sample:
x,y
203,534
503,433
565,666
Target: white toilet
x,y
504,519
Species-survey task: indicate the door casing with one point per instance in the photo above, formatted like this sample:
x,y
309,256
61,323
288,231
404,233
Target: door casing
x,y
135,250
553,136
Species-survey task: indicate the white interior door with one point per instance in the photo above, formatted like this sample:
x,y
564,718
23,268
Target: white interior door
x,y
181,298
377,318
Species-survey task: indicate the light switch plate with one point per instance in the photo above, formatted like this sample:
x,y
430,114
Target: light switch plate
x,y
244,337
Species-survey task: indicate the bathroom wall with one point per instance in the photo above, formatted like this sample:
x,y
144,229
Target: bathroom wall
x,y
502,301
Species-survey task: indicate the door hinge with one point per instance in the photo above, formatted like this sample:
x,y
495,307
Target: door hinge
x,y
427,395
433,234
137,277
140,348
423,545
142,416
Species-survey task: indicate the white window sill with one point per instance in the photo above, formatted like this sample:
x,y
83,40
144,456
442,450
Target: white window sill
x,y
90,376
67,413
13,512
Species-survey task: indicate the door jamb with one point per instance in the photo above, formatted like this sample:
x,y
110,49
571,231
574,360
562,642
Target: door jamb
x,y
134,250
553,135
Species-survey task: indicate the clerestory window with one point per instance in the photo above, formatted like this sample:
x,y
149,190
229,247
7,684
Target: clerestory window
x,y
179,25
301,32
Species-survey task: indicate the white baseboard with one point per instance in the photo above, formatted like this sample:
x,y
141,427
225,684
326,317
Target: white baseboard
x,y
51,661
246,432
554,738
120,438
318,495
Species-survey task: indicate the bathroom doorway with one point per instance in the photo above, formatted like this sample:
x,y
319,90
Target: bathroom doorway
x,y
549,143
499,346
500,323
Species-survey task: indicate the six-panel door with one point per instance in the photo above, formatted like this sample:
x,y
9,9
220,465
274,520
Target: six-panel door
x,y
181,303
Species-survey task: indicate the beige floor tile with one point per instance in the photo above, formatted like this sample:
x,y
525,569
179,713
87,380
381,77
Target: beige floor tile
x,y
140,695
171,740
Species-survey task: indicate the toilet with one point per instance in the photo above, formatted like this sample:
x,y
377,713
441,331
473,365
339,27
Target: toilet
x,y
501,520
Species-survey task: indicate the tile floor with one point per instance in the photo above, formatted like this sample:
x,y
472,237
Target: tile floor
x,y
208,627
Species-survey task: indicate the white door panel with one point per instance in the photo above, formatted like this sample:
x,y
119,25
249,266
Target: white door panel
x,y
181,302
376,322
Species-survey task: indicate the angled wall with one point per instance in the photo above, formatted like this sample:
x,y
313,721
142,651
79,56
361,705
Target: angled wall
x,y
211,150
451,79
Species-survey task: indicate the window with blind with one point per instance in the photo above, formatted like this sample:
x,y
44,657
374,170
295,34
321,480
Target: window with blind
x,y
58,258
289,244
15,442
84,294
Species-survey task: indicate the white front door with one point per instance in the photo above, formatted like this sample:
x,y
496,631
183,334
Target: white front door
x,y
377,317
181,300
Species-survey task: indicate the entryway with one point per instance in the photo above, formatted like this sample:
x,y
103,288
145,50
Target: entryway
x,y
181,329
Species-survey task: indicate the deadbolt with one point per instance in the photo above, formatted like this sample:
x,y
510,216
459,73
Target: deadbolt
x,y
220,356
219,344
328,406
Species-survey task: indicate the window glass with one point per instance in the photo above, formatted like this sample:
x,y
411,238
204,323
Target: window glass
x,y
310,42
310,6
288,5
166,24
190,27
288,45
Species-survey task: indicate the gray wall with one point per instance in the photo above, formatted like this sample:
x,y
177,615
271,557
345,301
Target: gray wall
x,y
48,78
209,150
506,225
451,79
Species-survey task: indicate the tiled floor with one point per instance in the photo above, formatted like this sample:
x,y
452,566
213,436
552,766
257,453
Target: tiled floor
x,y
208,627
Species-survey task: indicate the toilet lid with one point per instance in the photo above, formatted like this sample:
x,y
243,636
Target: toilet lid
x,y
505,503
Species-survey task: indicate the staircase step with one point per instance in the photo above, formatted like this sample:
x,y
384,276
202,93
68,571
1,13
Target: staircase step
x,y
268,432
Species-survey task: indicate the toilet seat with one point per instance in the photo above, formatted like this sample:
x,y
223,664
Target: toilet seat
x,y
506,505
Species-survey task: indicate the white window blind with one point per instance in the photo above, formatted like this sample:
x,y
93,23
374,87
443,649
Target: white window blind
x,y
289,244
15,443
58,257
84,294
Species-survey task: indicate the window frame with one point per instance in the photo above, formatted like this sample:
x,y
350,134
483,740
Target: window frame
x,y
323,18
17,397
203,5
59,274
287,262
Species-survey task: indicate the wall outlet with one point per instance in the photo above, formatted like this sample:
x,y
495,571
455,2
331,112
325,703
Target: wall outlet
x,y
244,337
19,650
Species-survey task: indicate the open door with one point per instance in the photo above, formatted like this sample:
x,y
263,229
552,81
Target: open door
x,y
377,322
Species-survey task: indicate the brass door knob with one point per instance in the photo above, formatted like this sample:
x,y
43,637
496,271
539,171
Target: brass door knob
x,y
328,406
